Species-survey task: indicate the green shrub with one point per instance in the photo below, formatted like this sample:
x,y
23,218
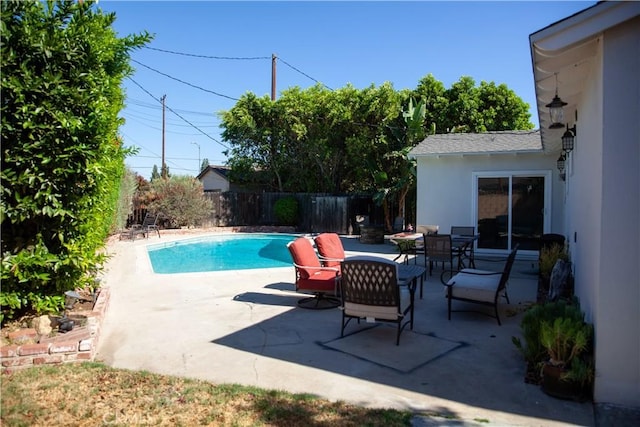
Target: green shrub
x,y
62,159
286,210
557,331
180,199
532,349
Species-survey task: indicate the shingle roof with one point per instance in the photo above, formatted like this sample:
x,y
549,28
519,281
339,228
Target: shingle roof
x,y
512,141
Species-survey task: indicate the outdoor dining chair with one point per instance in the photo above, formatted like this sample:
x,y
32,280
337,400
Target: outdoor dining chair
x,y
438,248
464,252
419,245
480,286
370,291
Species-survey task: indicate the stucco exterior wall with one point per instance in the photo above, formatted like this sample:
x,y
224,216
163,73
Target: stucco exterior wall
x,y
445,186
618,294
584,193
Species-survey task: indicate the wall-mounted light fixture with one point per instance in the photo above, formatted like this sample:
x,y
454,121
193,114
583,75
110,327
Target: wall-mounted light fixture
x,y
561,163
569,139
555,110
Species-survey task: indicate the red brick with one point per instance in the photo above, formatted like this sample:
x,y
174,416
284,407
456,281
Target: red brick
x,y
64,347
47,360
32,349
84,356
18,361
9,351
23,335
77,334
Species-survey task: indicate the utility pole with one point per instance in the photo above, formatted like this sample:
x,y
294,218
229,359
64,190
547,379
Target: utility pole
x,y
273,76
199,165
163,171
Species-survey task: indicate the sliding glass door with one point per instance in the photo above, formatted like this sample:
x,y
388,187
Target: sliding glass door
x,y
511,208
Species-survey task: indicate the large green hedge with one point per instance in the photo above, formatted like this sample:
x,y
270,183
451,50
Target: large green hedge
x,y
62,159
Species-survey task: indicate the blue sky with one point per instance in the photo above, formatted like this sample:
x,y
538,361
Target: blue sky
x,y
336,43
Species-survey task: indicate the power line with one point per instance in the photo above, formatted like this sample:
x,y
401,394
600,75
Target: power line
x,y
184,82
154,118
250,58
303,73
174,112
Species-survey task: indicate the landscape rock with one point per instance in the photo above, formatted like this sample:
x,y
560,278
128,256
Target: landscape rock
x,y
42,325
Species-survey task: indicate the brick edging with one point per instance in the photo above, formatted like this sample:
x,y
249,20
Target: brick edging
x,y
78,345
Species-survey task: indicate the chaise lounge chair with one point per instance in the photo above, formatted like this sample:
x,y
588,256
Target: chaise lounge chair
x,y
149,224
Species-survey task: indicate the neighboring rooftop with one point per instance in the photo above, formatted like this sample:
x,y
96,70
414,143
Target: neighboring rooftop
x,y
220,170
511,141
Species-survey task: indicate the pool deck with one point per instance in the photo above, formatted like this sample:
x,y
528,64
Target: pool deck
x,y
245,327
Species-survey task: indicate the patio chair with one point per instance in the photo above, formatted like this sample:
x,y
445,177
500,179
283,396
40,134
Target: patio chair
x,y
480,286
438,248
330,249
312,277
149,224
370,291
466,251
419,245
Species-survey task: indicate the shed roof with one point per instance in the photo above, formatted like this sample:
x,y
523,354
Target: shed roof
x,y
498,142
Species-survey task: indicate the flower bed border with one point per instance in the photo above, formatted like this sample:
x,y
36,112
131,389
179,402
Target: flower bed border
x,y
78,345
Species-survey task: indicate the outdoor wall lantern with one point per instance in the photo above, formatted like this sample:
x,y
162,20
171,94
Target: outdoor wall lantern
x,y
555,110
561,166
569,138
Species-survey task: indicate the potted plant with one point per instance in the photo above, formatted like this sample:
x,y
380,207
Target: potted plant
x,y
534,353
568,372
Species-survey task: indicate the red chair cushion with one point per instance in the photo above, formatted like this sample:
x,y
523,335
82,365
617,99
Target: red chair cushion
x,y
304,255
320,281
330,246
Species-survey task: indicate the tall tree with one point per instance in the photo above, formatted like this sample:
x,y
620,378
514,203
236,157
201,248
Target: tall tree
x,y
483,108
204,164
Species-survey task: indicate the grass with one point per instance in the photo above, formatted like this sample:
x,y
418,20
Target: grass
x,y
90,394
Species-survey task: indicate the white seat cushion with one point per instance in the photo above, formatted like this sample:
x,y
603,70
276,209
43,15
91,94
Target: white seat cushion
x,y
481,286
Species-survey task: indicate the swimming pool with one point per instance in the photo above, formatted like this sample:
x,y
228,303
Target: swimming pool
x,y
221,252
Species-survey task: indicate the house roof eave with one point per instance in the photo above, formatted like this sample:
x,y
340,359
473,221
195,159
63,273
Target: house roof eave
x,y
476,153
562,55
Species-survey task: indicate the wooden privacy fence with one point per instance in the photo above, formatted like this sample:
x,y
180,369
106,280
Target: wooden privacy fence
x,y
317,212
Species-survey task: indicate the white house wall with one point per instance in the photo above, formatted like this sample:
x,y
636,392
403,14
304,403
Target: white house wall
x,y
603,213
584,192
213,181
445,186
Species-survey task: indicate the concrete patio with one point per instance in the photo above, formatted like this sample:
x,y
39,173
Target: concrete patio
x,y
245,327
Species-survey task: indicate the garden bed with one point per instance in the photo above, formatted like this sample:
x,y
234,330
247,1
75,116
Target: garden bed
x,y
22,345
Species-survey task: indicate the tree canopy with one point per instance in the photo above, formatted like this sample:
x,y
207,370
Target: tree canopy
x,y
352,140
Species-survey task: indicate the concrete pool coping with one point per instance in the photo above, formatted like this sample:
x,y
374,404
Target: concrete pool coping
x,y
244,327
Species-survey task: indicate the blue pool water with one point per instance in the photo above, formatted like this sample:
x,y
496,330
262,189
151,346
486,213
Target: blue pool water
x,y
221,252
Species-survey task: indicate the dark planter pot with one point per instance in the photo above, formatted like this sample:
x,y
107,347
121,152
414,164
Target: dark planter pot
x,y
554,385
543,290
372,234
